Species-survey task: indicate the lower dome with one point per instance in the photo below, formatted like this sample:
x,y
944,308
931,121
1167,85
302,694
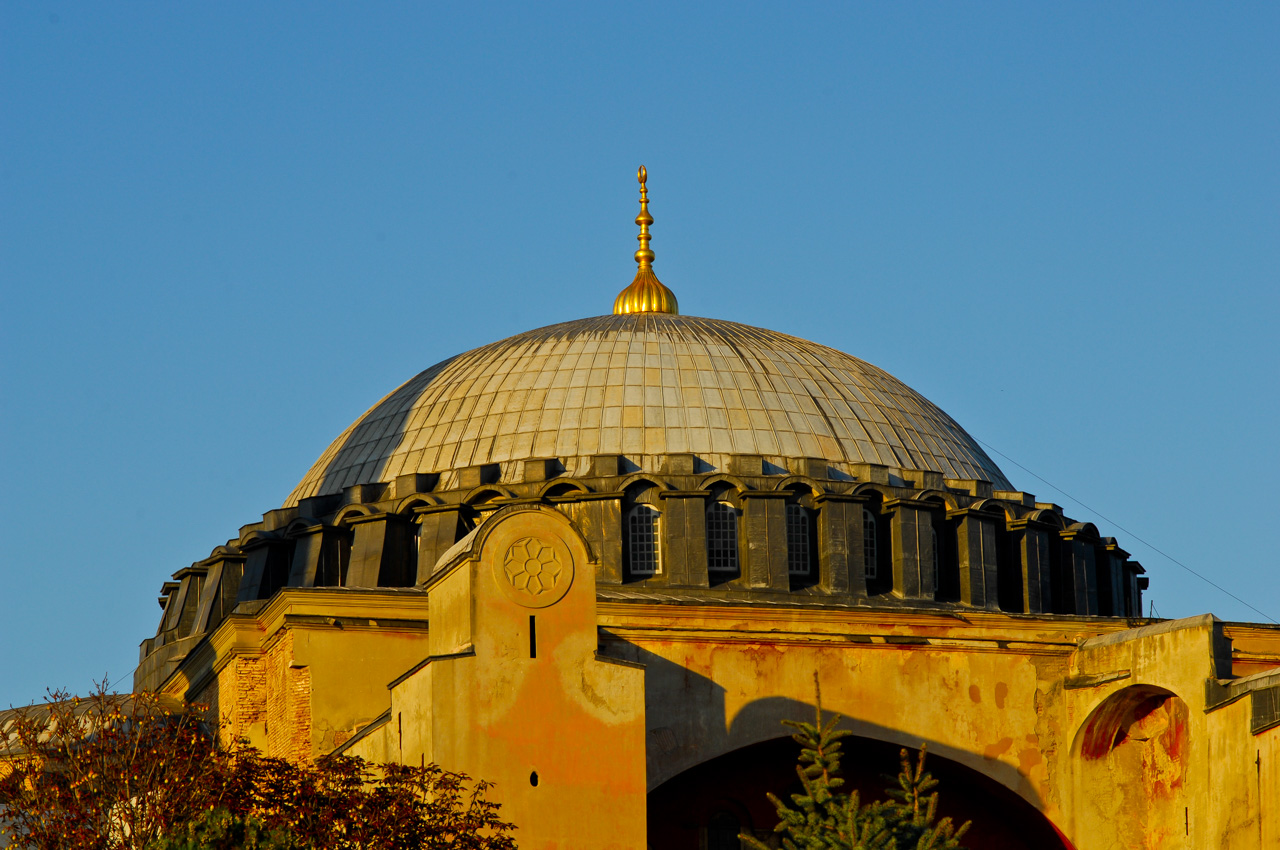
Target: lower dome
x,y
645,385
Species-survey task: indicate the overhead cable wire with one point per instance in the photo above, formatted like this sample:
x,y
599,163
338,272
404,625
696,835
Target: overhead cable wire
x,y
1150,546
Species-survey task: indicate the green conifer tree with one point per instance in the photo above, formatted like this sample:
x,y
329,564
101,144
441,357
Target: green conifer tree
x,y
823,817
911,810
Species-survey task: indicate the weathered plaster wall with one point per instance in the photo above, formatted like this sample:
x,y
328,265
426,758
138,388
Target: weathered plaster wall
x,y
513,691
1009,697
719,680
1107,730
1168,768
301,675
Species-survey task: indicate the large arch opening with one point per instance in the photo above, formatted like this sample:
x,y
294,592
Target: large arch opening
x,y
1131,768
704,807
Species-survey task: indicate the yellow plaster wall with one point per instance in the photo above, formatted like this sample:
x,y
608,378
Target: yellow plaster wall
x,y
990,691
485,707
350,669
1006,695
301,676
726,685
1149,792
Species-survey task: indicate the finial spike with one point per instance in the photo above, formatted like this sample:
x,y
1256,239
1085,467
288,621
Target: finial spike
x,y
646,294
644,256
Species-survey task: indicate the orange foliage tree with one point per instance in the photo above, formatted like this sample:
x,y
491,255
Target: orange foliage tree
x,y
144,772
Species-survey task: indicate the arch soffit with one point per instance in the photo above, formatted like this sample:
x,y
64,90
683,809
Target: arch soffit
x,y
870,488
487,493
406,505
1097,733
258,535
644,478
342,516
1047,516
1003,774
993,507
794,482
737,484
571,486
1085,529
298,524
948,500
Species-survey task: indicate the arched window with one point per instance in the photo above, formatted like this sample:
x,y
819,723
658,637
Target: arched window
x,y
722,538
642,541
799,546
869,543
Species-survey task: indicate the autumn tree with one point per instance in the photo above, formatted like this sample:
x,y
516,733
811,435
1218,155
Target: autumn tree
x,y
108,770
349,804
144,772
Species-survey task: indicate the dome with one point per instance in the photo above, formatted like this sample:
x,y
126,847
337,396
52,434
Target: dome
x,y
644,385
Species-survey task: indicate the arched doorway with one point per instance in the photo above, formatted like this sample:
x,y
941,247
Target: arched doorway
x,y
702,808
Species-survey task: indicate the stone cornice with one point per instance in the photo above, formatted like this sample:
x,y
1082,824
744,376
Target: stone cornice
x,y
309,608
1051,634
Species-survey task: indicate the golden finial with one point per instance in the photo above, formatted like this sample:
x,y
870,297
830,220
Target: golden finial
x,y
646,294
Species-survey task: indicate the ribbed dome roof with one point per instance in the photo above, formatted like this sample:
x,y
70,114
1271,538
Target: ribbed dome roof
x,y
644,385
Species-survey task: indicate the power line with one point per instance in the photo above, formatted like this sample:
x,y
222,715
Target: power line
x,y
1150,546
112,686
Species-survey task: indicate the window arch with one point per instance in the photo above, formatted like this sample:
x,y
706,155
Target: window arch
x,y
799,540
643,550
722,538
869,553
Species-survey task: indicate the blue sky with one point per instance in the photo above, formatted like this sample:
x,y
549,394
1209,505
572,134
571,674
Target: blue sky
x,y
226,229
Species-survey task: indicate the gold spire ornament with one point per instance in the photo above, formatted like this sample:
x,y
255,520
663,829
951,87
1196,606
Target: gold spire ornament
x,y
646,294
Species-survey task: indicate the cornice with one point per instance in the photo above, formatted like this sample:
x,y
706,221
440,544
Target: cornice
x,y
1054,634
401,609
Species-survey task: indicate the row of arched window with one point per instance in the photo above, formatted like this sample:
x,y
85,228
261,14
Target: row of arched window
x,y
1094,586
1069,575
644,534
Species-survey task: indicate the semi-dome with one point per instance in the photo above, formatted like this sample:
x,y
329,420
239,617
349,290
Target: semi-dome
x,y
643,385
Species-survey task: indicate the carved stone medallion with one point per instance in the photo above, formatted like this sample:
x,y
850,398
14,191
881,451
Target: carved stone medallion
x,y
535,572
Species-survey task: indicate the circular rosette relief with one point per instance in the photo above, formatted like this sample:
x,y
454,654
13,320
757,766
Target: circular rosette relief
x,y
535,572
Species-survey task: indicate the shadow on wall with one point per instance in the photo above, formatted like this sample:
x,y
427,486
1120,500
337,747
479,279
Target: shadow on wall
x,y
708,805
700,767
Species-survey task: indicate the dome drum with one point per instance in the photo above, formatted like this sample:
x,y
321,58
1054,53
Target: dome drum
x,y
904,541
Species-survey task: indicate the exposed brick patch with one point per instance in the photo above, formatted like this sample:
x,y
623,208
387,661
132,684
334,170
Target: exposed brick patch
x,y
287,702
248,686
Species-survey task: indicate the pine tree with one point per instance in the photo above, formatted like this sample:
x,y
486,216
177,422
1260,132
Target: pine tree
x,y
826,818
911,810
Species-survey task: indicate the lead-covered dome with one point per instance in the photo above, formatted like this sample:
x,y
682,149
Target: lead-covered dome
x,y
643,385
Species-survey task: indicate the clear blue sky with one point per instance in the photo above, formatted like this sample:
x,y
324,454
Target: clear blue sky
x,y
226,229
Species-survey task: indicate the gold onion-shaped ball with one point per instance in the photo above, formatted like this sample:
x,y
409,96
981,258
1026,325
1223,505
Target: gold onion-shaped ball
x,y
646,294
